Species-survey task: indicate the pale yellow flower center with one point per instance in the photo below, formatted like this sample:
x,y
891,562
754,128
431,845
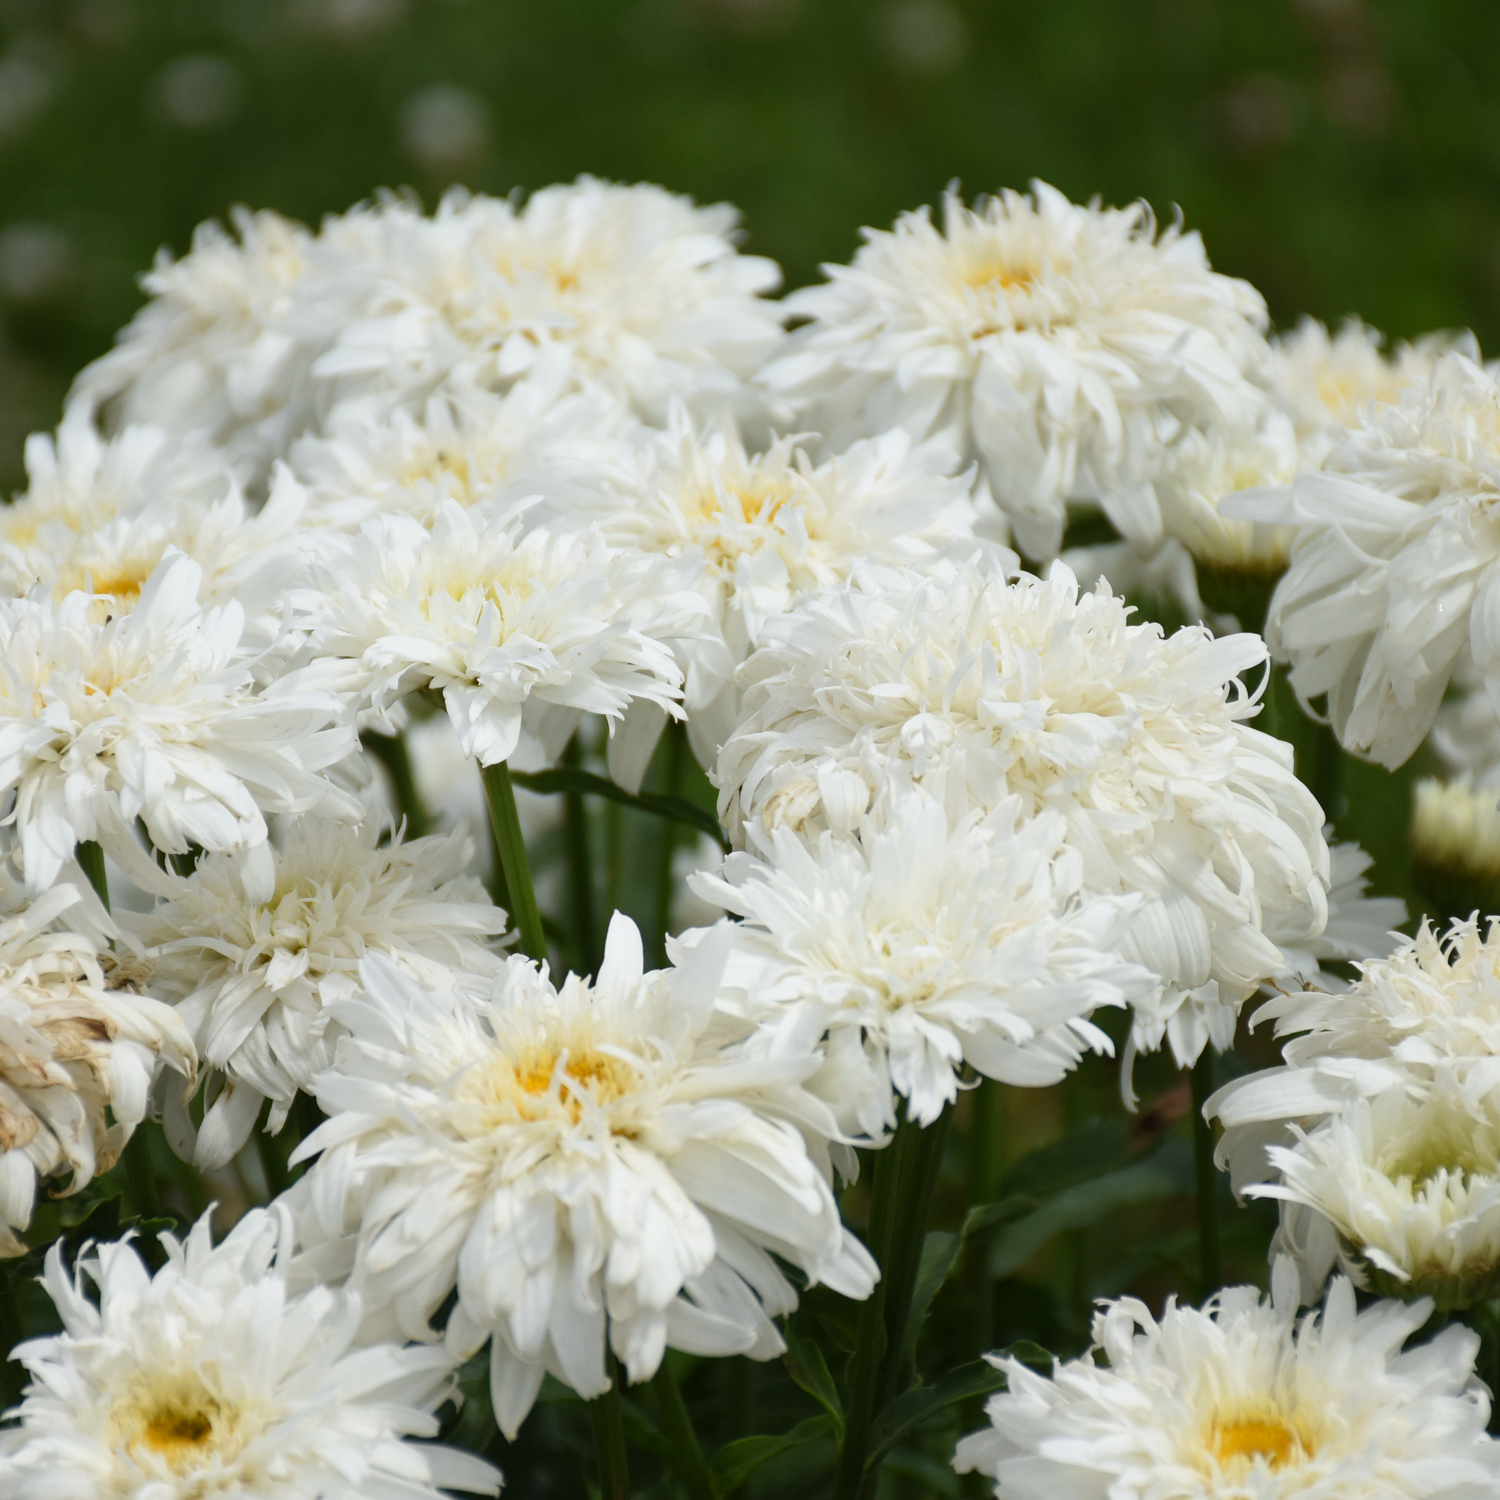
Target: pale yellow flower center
x,y
1000,274
1243,1440
522,1084
178,1422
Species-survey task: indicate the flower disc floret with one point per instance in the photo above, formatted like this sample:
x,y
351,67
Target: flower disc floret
x,y
1243,1399
1061,346
584,1164
977,690
211,1380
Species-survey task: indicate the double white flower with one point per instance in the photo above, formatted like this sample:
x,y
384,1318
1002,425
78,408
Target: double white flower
x,y
591,1167
211,1380
977,690
1061,346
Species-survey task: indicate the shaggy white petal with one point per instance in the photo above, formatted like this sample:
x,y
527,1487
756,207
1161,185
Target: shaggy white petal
x,y
1393,571
1060,346
78,1050
911,951
158,713
209,1379
509,625
255,975
1242,1402
977,690
630,288
581,1163
756,532
1410,1181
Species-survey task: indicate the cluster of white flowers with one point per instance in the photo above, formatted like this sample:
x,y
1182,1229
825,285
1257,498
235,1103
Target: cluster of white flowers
x,y
534,462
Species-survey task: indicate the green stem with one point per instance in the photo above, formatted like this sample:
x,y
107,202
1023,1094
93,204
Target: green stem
x,y
580,869
676,747
687,1453
140,1174
90,858
900,1198
986,1163
1210,1252
609,1443
390,750
510,849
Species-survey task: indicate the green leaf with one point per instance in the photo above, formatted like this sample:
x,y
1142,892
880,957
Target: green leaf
x,y
573,779
735,1462
1094,1149
941,1251
805,1364
909,1411
1167,1173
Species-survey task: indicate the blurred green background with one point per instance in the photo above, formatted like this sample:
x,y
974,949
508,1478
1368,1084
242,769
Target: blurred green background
x,y
1344,155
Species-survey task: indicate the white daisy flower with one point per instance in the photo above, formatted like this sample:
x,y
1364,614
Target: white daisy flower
x,y
78,1051
1455,832
1432,1007
257,967
466,445
1409,1181
1242,1399
761,530
908,952
632,288
225,346
589,1165
509,624
978,691
1326,383
1061,346
1393,571
210,1379
153,714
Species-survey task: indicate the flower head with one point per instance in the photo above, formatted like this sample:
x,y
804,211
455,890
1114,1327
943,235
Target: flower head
x,y
155,713
211,1380
978,690
582,1163
78,1051
908,952
506,624
1393,571
1062,346
1240,1400
1409,1181
256,971
756,532
632,288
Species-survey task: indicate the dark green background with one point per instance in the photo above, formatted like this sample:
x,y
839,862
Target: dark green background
x,y
1344,155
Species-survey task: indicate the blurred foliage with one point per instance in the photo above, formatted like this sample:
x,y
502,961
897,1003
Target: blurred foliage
x,y
1343,154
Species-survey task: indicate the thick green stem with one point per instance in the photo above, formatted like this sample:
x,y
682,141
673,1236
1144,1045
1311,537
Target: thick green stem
x,y
905,1174
1210,1253
609,1444
986,1163
580,870
510,852
390,750
687,1453
90,858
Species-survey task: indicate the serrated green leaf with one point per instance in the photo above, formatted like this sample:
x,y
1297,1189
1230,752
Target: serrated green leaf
x,y
805,1364
735,1462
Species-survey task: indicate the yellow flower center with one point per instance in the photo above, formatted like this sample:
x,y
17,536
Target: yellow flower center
x,y
1245,1439
522,1085
179,1422
1001,275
